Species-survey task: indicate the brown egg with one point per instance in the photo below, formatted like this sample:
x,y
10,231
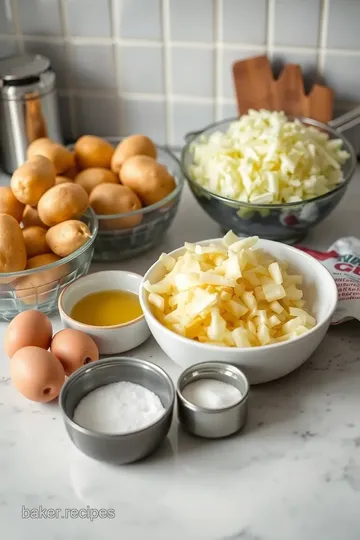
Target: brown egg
x,y
74,349
29,328
9,203
37,374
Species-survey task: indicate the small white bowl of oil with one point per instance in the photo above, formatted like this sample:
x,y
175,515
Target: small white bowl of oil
x,y
105,305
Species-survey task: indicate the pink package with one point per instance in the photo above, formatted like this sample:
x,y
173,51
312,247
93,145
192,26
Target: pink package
x,y
343,261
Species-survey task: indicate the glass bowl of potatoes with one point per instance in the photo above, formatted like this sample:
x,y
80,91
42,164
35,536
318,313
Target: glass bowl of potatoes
x,y
39,286
134,187
47,231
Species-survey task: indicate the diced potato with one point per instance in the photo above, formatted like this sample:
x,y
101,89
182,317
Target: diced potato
x,y
230,295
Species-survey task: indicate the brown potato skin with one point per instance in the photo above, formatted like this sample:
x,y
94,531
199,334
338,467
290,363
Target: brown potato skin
x,y
9,204
92,177
12,245
62,202
150,180
92,151
68,236
135,145
72,172
27,286
60,157
35,241
31,217
62,180
115,199
32,179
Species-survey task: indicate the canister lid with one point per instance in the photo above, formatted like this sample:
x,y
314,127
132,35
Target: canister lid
x,y
23,69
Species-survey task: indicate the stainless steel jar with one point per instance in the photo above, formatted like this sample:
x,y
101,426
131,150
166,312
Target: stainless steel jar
x,y
28,106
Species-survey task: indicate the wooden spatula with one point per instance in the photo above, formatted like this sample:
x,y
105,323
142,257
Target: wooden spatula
x,y
256,88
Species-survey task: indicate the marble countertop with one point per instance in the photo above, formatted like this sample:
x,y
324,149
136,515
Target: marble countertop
x,y
292,474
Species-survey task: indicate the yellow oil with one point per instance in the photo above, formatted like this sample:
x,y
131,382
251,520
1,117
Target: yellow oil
x,y
107,308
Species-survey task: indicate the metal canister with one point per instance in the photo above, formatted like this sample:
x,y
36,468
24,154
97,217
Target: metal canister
x,y
28,106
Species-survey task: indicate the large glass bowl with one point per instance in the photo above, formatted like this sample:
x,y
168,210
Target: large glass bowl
x,y
40,288
117,244
288,222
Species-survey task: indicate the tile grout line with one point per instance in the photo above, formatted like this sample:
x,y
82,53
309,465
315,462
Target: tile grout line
x,y
270,28
165,11
185,44
218,60
72,108
114,16
324,19
18,33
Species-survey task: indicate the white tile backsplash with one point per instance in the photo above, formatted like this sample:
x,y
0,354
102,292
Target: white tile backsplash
x,y
136,19
343,26
97,116
189,117
191,20
297,22
141,69
40,17
92,67
164,67
192,72
7,24
95,20
148,117
235,19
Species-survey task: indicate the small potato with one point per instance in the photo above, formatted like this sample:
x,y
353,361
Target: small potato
x,y
31,217
150,180
72,172
41,260
92,151
35,241
37,288
62,180
115,199
60,157
66,237
90,178
30,181
9,204
136,145
12,245
62,202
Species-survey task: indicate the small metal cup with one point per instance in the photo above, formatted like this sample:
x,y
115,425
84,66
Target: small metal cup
x,y
123,447
213,423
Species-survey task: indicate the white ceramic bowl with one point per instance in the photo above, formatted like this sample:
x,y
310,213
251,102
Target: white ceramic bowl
x,y
109,339
260,364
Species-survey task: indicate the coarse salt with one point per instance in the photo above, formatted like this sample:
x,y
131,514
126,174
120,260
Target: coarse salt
x,y
119,407
211,394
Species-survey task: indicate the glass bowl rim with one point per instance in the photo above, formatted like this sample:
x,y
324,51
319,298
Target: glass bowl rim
x,y
151,207
64,260
315,123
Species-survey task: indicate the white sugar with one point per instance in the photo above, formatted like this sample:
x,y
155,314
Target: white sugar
x,y
118,407
211,394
